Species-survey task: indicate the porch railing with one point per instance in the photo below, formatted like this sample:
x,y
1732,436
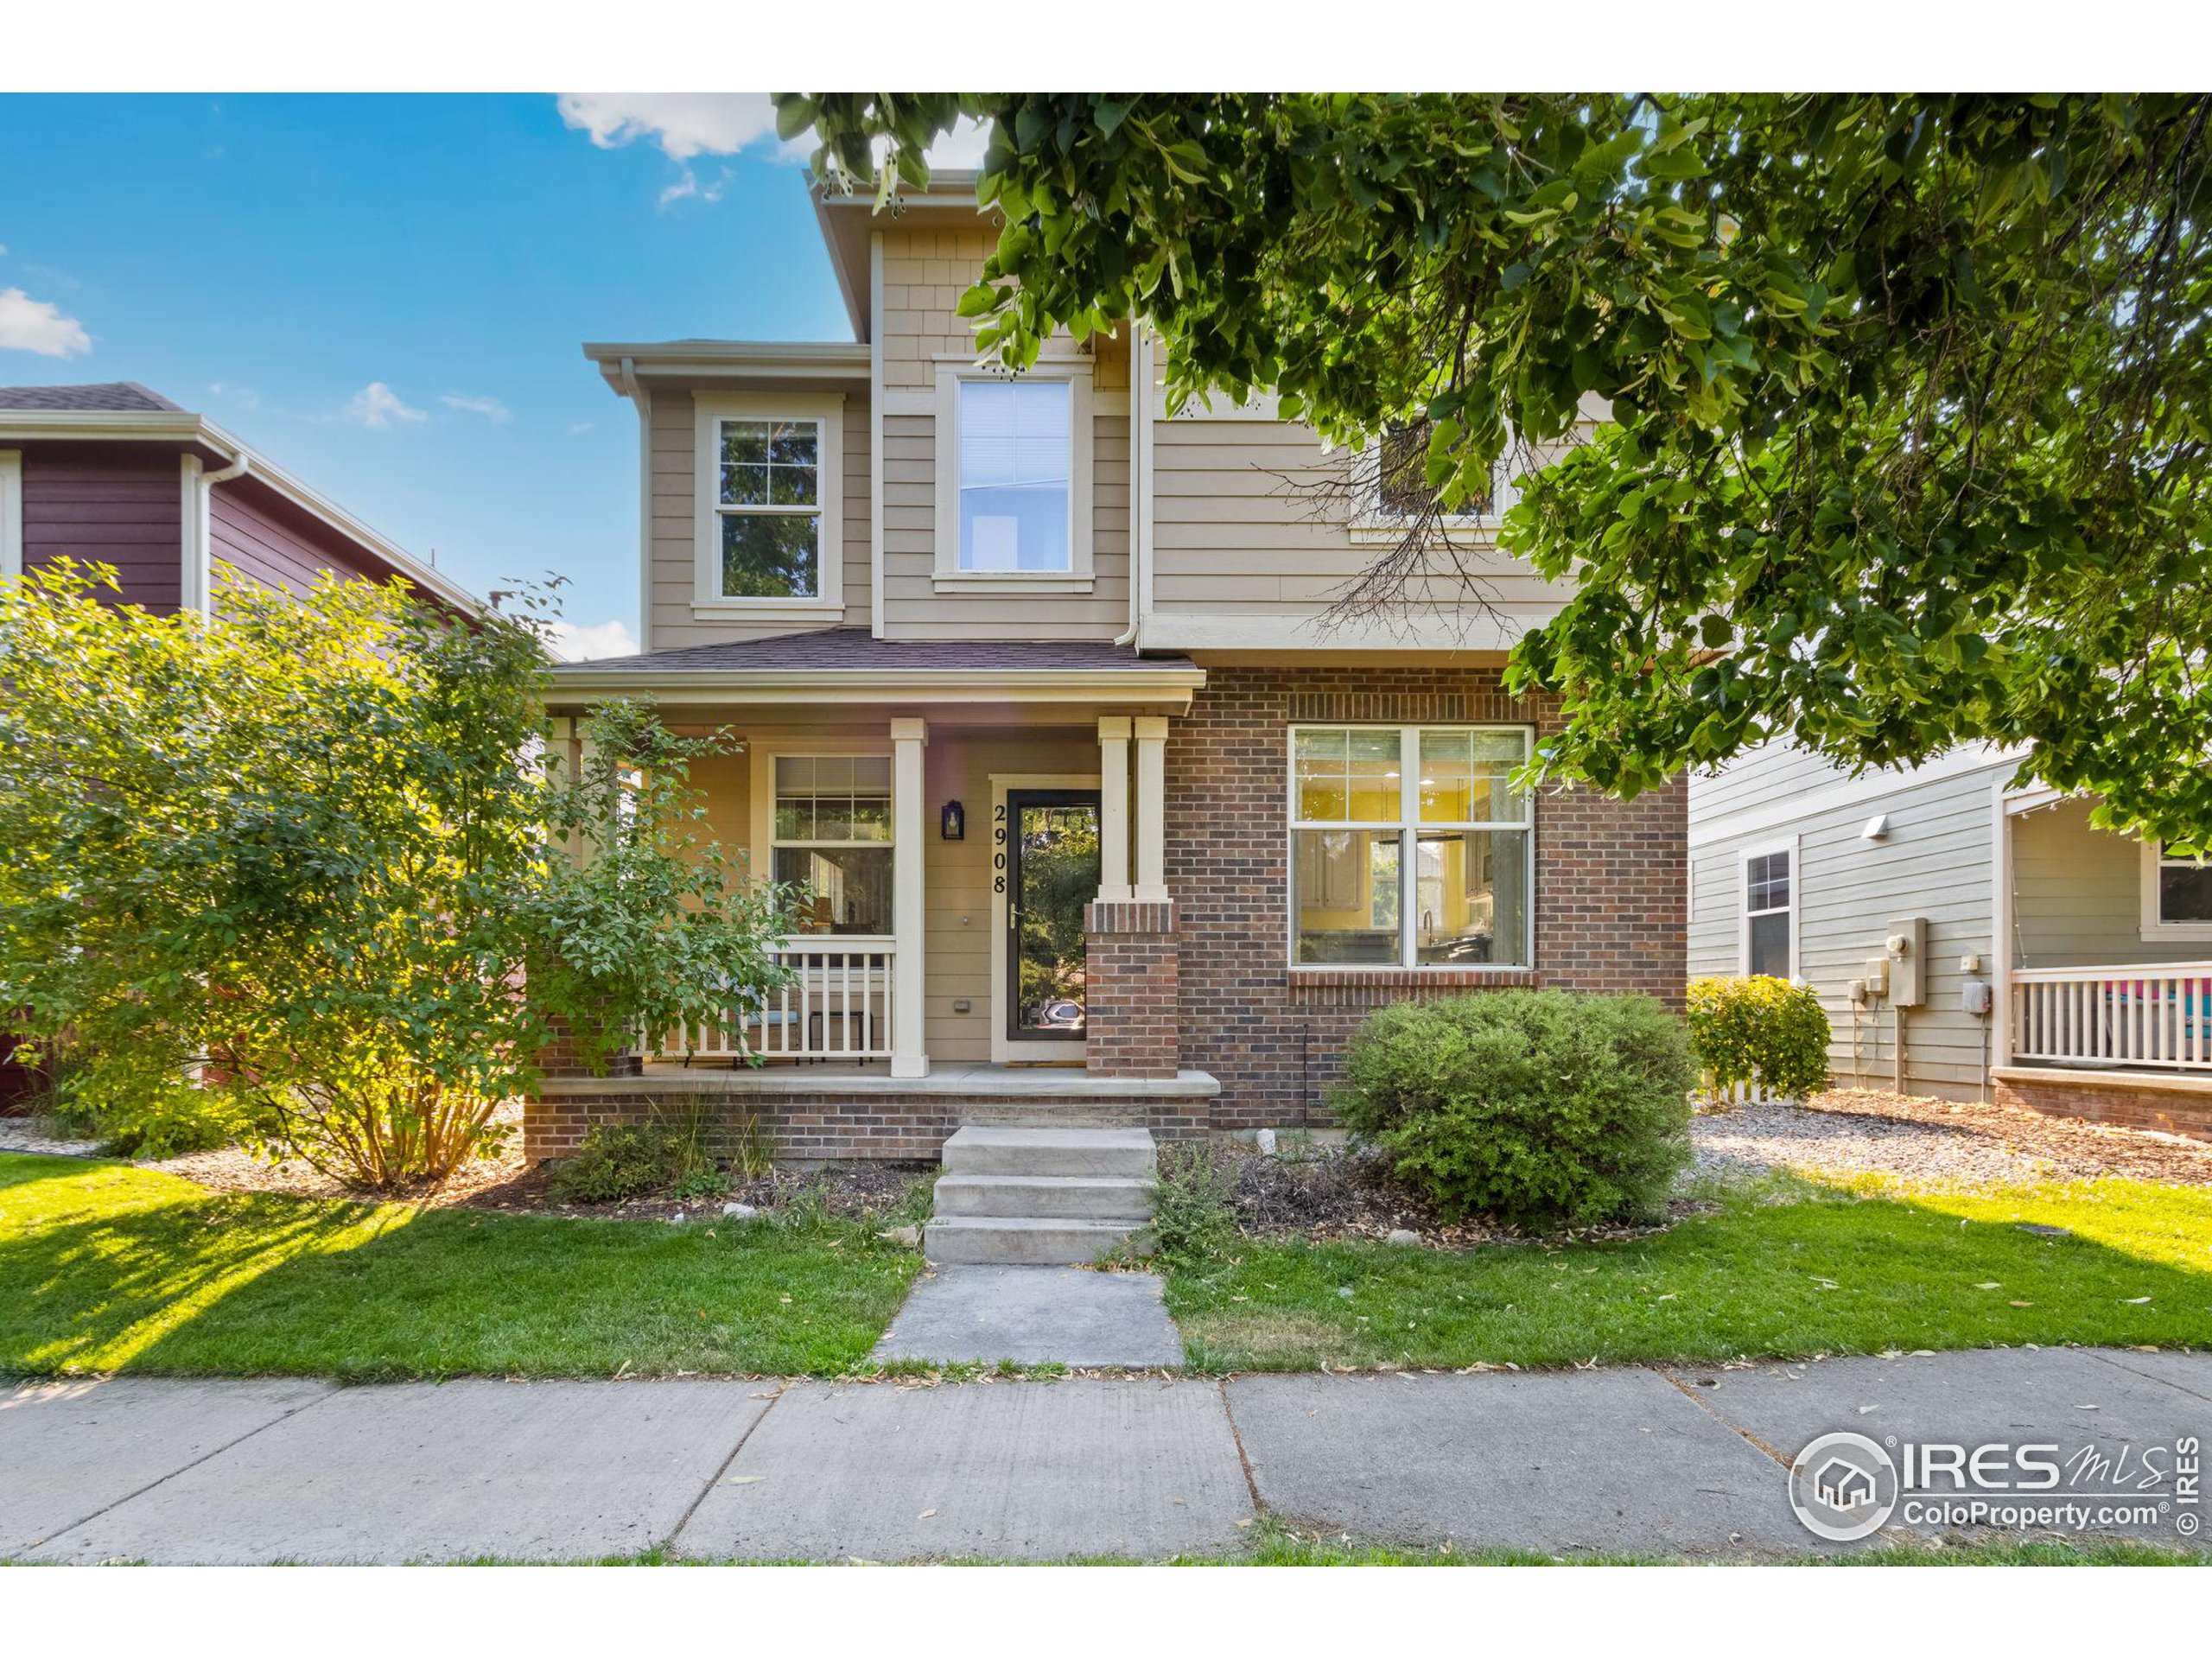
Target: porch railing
x,y
2138,1013
836,1007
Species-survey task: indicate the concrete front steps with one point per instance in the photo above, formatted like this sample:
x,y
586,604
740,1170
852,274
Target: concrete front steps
x,y
1028,1196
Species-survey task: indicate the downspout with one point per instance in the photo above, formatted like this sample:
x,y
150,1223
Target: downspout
x,y
1140,487
642,401
198,583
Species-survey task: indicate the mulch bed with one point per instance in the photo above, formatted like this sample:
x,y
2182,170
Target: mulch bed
x,y
855,1188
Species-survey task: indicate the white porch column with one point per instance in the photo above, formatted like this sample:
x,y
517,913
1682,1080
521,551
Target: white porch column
x,y
1151,809
1113,809
908,1057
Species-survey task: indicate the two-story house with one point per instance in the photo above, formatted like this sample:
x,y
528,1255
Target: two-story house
x,y
1102,822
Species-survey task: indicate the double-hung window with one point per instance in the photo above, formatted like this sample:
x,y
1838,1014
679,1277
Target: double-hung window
x,y
1410,846
1769,937
1014,478
831,837
769,519
2177,894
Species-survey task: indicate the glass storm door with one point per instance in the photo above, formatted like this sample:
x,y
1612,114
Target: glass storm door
x,y
1051,872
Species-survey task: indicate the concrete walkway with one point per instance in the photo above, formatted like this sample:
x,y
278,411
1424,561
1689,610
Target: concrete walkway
x,y
1034,1316
1627,1460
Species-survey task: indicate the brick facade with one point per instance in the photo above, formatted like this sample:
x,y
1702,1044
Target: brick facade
x,y
834,1122
2127,1103
1130,974
1611,881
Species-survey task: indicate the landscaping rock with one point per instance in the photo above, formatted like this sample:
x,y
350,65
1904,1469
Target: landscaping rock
x,y
909,1237
1403,1236
740,1212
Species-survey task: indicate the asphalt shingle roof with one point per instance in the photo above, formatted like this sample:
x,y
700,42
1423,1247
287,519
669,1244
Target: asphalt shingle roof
x,y
105,397
856,650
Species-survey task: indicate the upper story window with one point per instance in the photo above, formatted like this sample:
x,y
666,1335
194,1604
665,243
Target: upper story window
x,y
1391,487
1410,848
1014,478
2177,894
769,513
1769,937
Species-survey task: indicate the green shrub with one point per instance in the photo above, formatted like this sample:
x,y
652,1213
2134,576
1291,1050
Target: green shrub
x,y
616,1160
1192,1220
1759,1030
1539,1107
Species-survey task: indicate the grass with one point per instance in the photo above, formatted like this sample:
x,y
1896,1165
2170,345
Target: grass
x,y
1784,1268
107,1268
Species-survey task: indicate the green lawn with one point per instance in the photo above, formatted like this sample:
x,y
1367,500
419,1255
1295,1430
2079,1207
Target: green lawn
x,y
1785,1269
105,1268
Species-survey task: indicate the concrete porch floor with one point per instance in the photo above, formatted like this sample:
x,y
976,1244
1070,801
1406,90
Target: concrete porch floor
x,y
967,1081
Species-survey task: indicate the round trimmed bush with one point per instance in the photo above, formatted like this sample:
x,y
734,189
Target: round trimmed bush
x,y
1539,1108
1760,1029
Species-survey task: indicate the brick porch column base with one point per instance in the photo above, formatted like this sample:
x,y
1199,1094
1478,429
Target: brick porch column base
x,y
2183,1107
1131,981
559,1057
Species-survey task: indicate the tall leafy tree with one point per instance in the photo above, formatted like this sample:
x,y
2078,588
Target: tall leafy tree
x,y
310,875
1905,401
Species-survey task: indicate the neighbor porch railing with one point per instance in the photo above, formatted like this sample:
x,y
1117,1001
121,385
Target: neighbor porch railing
x,y
837,1006
2138,1013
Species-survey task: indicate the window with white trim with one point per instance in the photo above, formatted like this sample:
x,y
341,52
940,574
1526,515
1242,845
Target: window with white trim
x,y
2178,892
1769,912
831,836
1014,478
1390,493
1409,847
769,518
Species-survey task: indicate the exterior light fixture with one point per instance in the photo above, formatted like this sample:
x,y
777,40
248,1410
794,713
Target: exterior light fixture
x,y
952,823
1877,828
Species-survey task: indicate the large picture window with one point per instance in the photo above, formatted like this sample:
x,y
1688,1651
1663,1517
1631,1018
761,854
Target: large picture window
x,y
768,521
831,836
1410,846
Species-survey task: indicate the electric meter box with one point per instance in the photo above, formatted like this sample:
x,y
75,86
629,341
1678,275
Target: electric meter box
x,y
1906,946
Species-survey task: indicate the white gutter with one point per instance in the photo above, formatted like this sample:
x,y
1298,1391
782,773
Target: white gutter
x,y
815,686
182,426
1140,485
196,584
875,436
642,401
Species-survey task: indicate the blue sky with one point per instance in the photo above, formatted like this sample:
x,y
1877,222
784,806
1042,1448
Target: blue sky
x,y
273,261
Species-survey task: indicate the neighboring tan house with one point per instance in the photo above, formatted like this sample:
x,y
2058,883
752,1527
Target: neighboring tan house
x,y
1102,824
116,474
2060,966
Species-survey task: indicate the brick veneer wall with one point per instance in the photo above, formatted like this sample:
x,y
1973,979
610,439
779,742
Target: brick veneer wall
x,y
559,1057
1611,879
2129,1105
813,1128
1133,1025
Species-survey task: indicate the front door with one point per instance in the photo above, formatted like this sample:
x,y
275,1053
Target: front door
x,y
1052,851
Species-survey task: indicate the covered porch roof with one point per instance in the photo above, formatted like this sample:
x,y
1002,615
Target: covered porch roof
x,y
851,665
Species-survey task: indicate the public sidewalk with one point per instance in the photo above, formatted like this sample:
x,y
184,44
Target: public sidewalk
x,y
1677,1462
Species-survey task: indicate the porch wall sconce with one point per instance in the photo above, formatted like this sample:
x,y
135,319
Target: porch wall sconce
x,y
952,823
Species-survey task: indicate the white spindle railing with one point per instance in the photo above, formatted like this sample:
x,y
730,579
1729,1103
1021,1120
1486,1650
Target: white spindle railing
x,y
2138,1013
836,1007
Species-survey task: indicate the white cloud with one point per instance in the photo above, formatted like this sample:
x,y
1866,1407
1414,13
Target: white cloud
x,y
683,125
29,324
490,408
244,396
576,428
377,406
581,642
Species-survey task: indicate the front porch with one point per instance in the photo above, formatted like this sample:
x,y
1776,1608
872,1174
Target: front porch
x,y
812,1113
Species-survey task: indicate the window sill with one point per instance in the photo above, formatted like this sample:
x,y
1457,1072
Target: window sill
x,y
766,610
2177,932
1012,581
1375,532
1429,974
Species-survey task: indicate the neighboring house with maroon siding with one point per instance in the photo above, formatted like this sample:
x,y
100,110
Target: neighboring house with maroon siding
x,y
117,474
1102,819
113,473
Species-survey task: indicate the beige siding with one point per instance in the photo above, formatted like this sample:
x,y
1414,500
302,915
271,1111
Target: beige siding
x,y
924,276
1772,773
1934,864
1237,530
673,486
2078,895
